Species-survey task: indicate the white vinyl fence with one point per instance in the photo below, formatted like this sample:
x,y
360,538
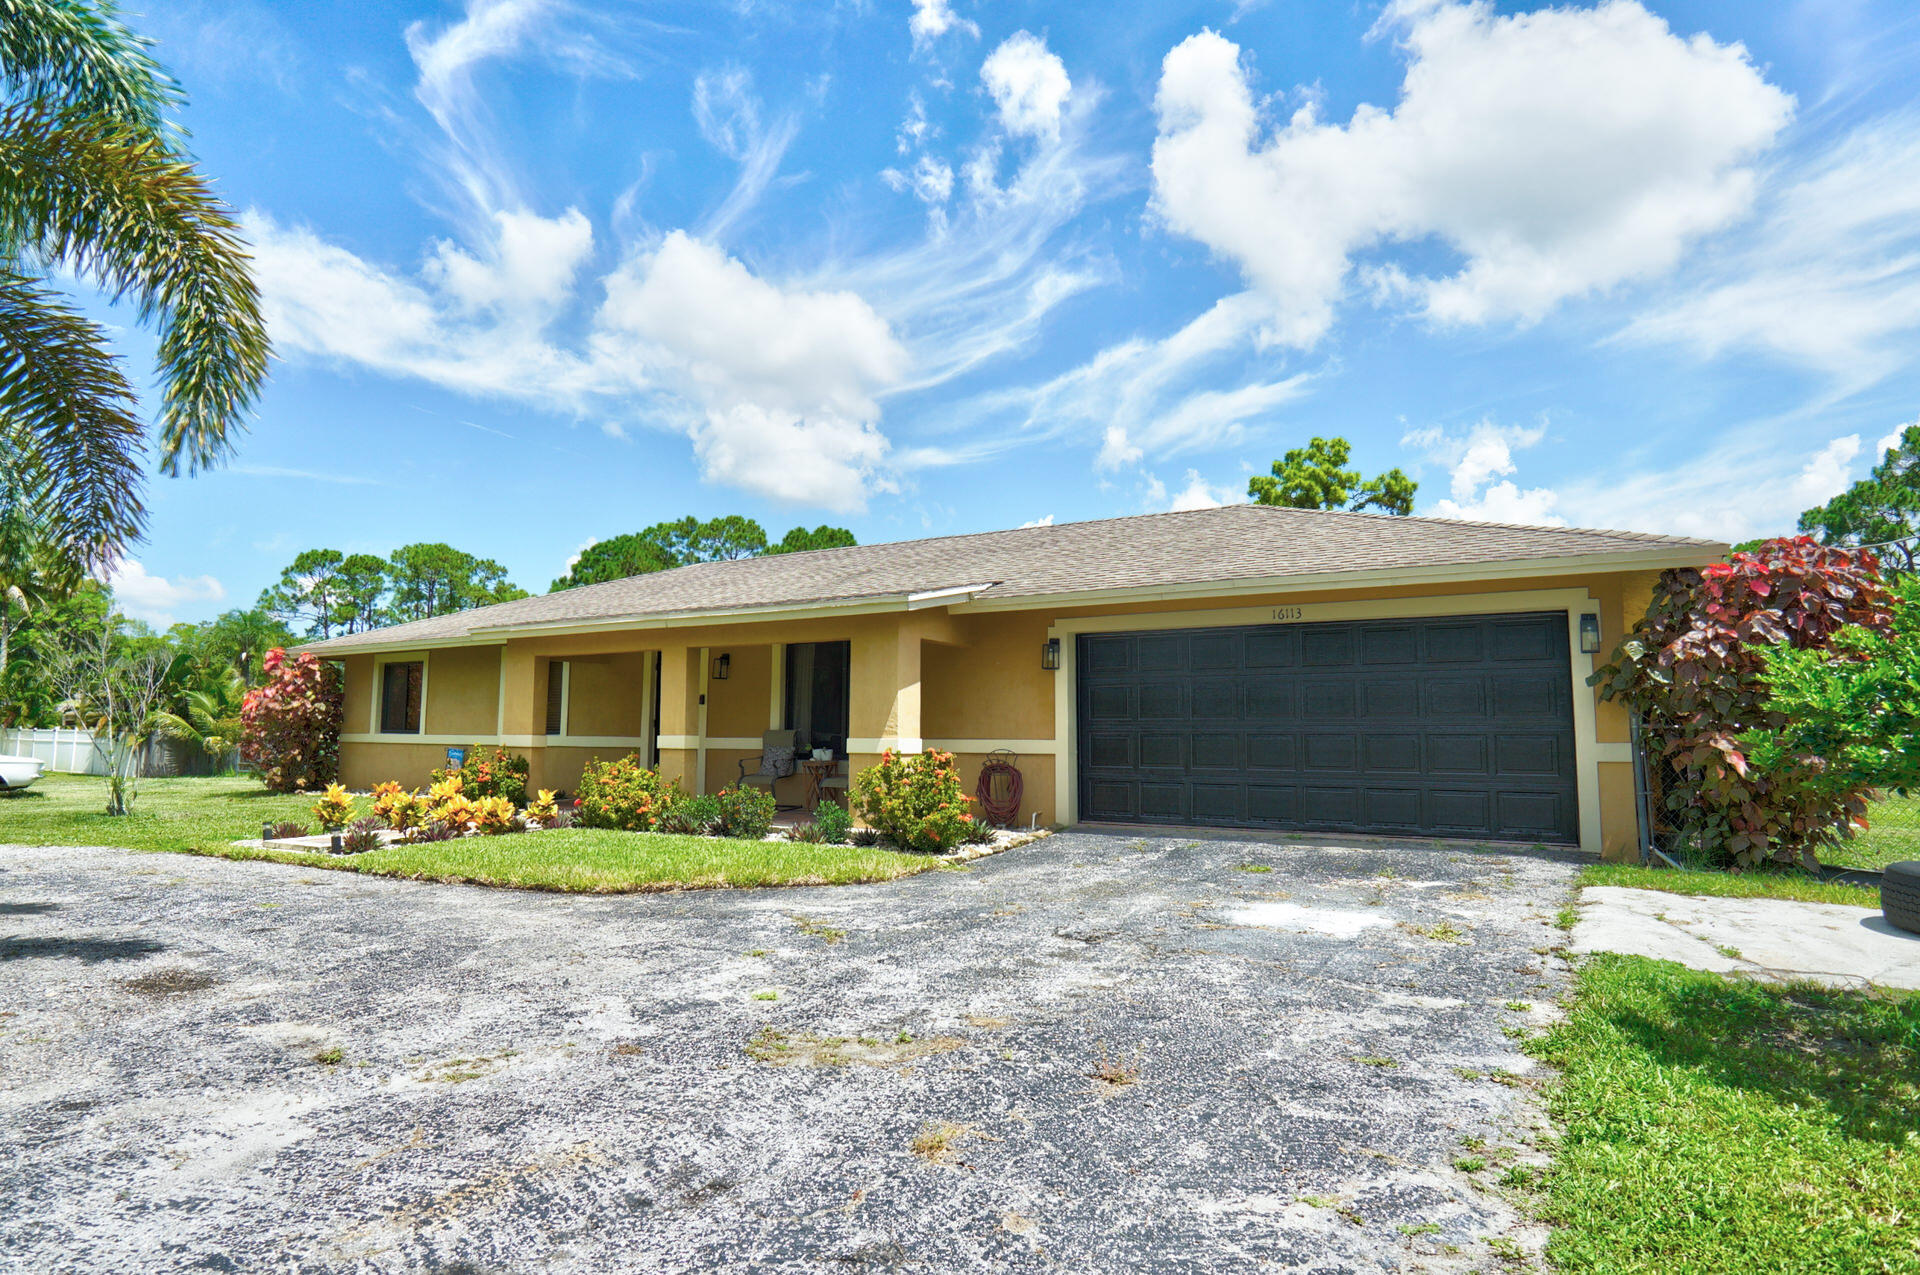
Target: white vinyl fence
x,y
66,749
73,751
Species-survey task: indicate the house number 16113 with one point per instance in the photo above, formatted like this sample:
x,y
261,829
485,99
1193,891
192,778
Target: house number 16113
x,y
1288,613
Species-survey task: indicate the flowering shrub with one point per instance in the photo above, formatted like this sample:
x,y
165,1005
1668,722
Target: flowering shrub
x,y
1694,668
544,809
623,794
398,808
334,809
290,724
915,800
745,812
490,772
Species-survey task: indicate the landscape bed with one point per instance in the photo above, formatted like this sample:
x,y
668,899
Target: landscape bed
x,y
207,816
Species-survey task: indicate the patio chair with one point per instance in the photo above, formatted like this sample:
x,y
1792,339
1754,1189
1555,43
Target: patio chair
x,y
778,750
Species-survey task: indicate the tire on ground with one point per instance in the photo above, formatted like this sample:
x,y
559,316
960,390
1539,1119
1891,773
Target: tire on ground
x,y
1900,895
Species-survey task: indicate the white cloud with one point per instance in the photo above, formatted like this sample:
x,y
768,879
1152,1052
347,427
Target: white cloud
x,y
1475,460
1829,276
1827,472
785,379
1146,399
1199,494
1891,441
1045,520
156,599
934,18
931,180
1558,153
1029,85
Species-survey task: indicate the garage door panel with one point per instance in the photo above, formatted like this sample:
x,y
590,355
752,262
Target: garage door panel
x,y
1397,809
1448,727
1215,697
1106,748
1163,801
1218,803
1386,753
1159,749
1219,752
1455,754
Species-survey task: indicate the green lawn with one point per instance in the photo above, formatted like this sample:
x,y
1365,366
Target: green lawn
x,y
1893,834
204,816
1759,883
1716,1124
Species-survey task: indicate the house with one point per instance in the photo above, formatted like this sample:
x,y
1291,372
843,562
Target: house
x,y
1239,667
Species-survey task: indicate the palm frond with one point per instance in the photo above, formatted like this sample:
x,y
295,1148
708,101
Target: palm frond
x,y
113,202
67,423
78,53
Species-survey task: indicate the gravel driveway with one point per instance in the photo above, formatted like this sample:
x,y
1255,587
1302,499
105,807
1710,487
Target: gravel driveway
x,y
1094,1053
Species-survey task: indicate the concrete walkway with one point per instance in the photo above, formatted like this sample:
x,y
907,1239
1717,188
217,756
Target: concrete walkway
x,y
1769,938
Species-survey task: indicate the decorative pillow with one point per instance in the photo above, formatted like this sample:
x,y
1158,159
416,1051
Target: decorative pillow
x,y
777,760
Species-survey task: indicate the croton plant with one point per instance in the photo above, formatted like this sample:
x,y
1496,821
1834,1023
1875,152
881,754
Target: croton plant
x,y
290,723
1694,670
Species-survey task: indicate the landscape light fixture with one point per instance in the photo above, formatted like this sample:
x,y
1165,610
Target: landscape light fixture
x,y
722,667
1050,654
1589,635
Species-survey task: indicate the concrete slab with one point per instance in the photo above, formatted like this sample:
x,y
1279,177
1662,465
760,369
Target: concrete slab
x,y
1768,938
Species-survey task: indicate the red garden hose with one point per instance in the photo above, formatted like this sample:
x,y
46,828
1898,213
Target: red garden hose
x,y
999,789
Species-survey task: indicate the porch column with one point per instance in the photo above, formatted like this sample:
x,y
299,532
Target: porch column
x,y
523,710
682,676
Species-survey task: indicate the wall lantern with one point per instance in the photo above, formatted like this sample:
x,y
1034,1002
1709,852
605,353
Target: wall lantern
x,y
722,667
1589,635
1050,654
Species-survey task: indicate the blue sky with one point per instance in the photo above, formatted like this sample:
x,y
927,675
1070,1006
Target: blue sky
x,y
541,272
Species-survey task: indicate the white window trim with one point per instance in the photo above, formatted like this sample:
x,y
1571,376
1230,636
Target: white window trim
x,y
1588,751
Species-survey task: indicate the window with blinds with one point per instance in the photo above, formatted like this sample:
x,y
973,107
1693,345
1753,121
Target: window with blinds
x,y
556,696
400,697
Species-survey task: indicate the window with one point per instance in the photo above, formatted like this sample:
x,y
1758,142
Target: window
x,y
400,686
817,693
556,697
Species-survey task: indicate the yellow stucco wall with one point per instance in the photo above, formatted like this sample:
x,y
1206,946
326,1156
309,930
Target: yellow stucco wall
x,y
606,694
989,685
357,693
737,707
463,691
364,765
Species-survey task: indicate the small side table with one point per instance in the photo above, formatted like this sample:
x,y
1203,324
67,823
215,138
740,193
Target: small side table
x,y
817,771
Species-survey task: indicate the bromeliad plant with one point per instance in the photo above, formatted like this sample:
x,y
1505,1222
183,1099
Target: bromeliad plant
x,y
915,800
1694,669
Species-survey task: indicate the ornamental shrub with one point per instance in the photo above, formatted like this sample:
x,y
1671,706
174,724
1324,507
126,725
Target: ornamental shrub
x,y
493,816
915,800
1854,706
544,809
490,772
1694,669
834,822
398,808
694,815
290,723
334,810
745,812
623,794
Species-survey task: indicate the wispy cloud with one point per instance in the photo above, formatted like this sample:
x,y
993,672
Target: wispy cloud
x,y
304,475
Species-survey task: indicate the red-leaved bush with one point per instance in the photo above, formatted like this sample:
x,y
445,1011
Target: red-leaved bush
x,y
1693,670
290,723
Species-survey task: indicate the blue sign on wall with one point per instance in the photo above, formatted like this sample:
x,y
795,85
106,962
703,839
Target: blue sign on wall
x,y
456,757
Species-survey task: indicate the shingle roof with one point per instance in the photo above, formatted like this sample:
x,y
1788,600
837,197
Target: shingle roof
x,y
1229,545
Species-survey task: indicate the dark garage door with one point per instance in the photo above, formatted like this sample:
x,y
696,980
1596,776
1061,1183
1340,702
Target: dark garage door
x,y
1444,727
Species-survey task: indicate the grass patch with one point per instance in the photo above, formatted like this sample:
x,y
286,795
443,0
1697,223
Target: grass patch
x,y
1717,1124
1893,834
1755,883
204,816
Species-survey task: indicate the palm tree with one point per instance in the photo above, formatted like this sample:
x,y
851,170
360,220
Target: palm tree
x,y
211,722
93,180
31,574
